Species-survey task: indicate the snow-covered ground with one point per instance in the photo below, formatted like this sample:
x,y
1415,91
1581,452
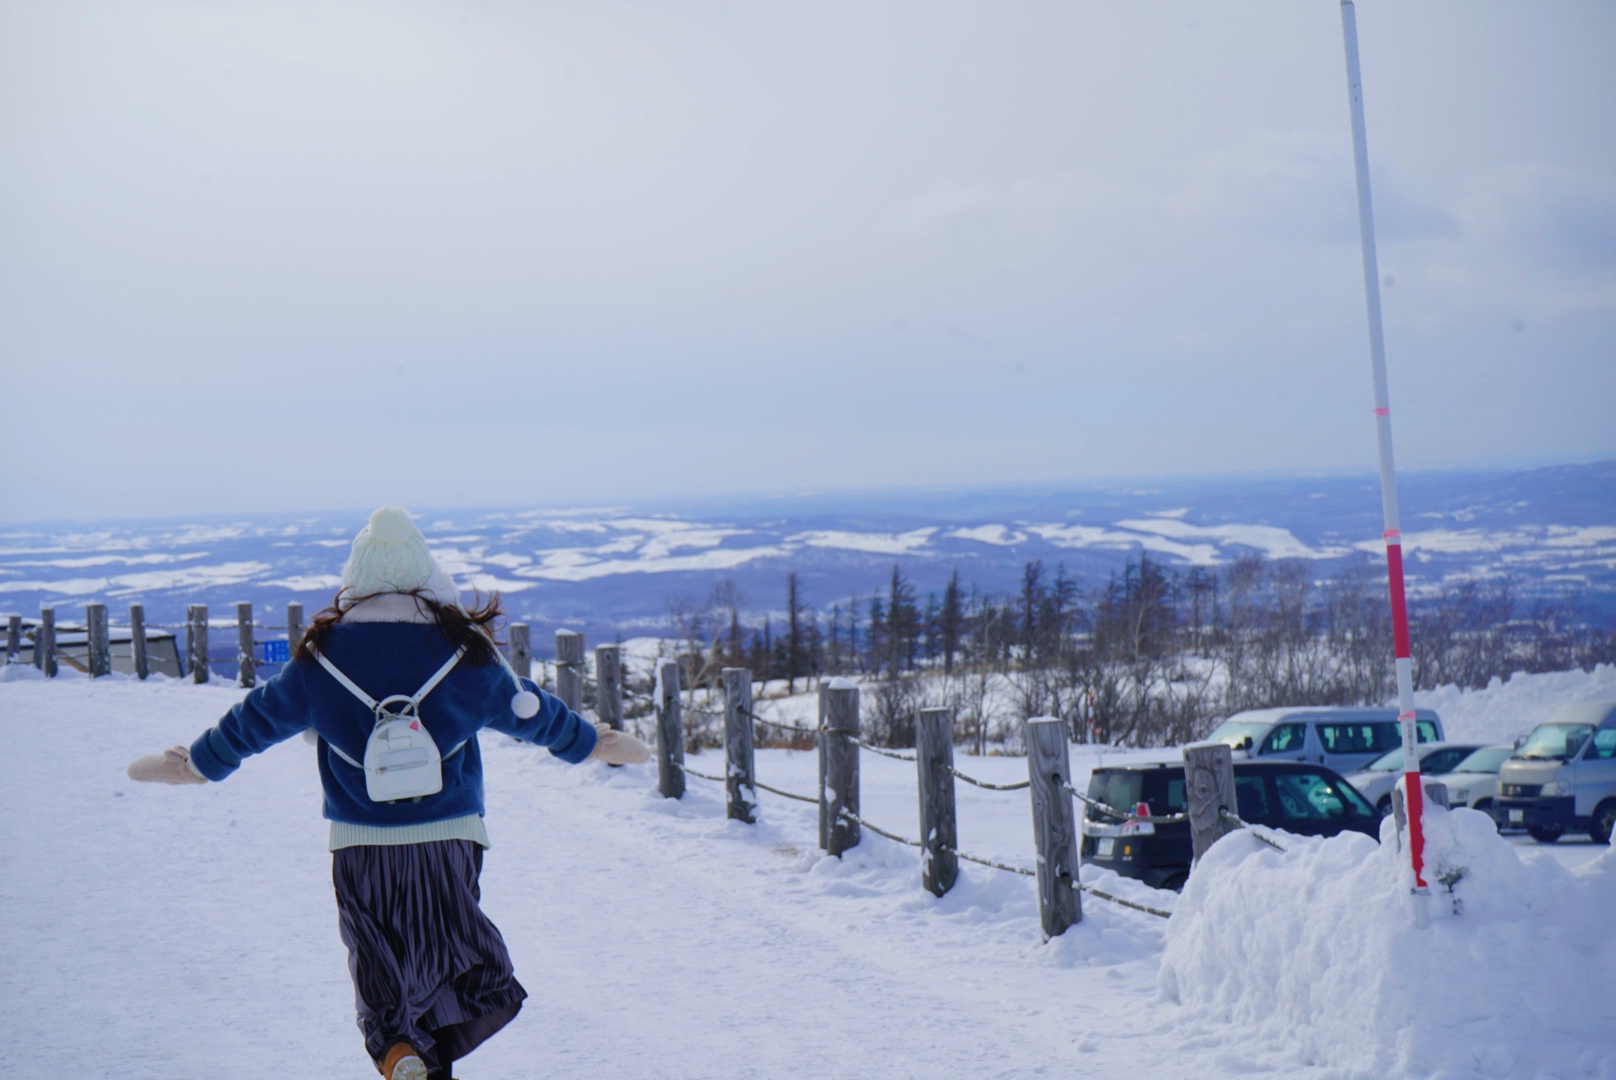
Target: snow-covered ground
x,y
174,933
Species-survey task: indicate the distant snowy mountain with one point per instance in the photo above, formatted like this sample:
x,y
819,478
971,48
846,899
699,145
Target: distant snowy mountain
x,y
614,569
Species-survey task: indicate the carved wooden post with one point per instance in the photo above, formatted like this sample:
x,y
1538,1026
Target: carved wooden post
x,y
520,649
570,668
1054,828
98,647
670,731
45,642
196,642
13,638
137,640
609,685
839,768
246,666
294,625
740,773
1209,788
934,761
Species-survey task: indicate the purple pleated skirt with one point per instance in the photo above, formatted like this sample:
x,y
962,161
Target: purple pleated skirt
x,y
427,964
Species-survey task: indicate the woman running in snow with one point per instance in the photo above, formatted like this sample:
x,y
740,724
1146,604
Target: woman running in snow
x,y
395,655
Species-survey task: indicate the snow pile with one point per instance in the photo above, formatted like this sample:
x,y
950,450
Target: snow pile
x,y
1313,953
1505,710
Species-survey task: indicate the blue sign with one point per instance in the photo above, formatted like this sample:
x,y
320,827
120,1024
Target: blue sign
x,y
274,652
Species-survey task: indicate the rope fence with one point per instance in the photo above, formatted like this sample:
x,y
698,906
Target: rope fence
x,y
1234,819
1123,815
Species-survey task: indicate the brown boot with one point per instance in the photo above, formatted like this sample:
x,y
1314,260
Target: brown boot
x,y
403,1063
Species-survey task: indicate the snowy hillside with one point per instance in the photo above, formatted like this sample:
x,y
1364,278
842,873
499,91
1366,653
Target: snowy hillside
x,y
156,933
612,570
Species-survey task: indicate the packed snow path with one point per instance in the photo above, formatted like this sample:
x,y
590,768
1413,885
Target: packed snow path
x,y
186,932
190,933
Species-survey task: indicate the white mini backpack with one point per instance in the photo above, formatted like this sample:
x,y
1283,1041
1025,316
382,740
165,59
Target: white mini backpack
x,y
401,757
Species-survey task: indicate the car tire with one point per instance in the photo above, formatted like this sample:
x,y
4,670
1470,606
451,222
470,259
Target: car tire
x,y
1177,881
1545,834
1484,805
1384,806
1604,822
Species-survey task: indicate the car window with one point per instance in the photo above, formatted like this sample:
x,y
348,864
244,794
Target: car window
x,y
1117,788
1441,761
1163,790
1486,760
1251,796
1352,796
1308,796
1286,738
1236,732
1604,744
1424,731
1390,761
1351,738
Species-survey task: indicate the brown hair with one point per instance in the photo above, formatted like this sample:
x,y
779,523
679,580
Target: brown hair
x,y
471,628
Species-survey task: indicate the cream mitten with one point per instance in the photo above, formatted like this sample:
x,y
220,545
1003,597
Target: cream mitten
x,y
172,766
617,747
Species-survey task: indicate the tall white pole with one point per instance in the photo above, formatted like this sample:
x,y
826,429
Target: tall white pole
x,y
1414,795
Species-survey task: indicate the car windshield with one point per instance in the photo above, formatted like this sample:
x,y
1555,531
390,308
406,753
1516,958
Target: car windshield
x,y
1486,760
1236,732
1390,761
1554,741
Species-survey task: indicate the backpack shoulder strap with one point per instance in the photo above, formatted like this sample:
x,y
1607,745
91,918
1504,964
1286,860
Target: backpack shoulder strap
x,y
337,751
352,687
448,666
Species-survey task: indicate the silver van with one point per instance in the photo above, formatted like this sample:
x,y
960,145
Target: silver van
x,y
1562,777
1340,738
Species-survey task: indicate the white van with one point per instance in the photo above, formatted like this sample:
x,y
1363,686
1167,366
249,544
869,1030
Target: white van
x,y
1343,738
1562,777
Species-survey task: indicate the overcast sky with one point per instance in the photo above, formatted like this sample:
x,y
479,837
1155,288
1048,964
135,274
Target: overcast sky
x,y
317,255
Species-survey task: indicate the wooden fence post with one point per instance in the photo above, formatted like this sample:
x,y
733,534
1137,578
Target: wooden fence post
x,y
137,640
1435,792
670,731
13,638
294,626
1209,788
45,642
740,772
609,685
521,649
839,768
1054,828
934,762
569,668
196,642
246,661
97,646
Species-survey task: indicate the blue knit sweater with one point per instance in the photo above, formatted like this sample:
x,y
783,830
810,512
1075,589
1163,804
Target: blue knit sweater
x,y
387,658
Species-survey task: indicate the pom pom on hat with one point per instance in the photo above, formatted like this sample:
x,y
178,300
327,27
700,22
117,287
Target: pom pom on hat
x,y
389,555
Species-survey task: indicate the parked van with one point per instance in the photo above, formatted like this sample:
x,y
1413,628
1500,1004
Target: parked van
x,y
1341,738
1562,777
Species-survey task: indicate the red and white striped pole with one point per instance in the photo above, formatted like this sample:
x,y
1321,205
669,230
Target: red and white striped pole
x,y
1414,794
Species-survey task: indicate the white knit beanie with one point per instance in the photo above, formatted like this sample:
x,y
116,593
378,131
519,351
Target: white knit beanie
x,y
390,555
